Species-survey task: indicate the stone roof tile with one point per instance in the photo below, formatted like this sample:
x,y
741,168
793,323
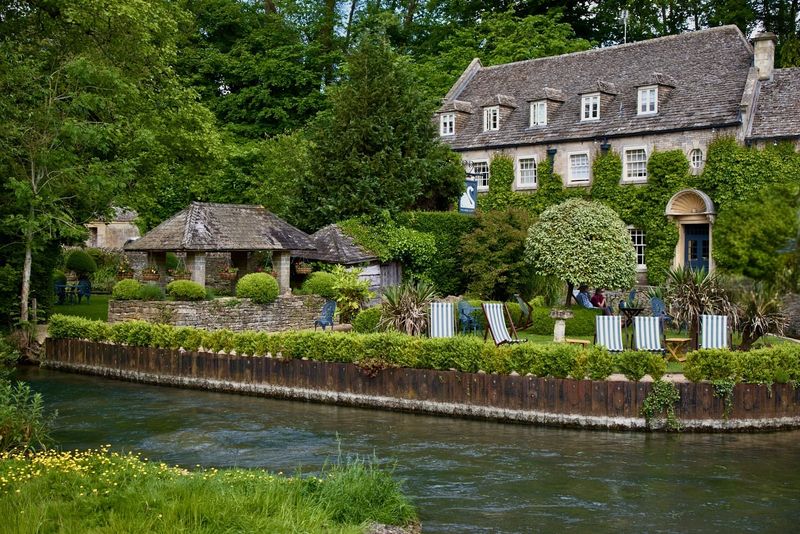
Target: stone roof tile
x,y
777,113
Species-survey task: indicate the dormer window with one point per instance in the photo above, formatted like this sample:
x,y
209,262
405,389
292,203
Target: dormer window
x,y
648,100
539,113
491,118
447,124
590,107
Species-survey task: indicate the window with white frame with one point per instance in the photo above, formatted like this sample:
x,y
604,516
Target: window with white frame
x,y
491,118
579,168
480,171
447,124
648,100
635,165
696,157
539,113
637,237
526,172
590,107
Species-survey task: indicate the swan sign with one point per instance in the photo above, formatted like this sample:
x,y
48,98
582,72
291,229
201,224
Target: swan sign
x,y
469,199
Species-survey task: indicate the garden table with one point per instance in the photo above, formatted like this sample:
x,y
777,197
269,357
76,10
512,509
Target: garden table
x,y
675,346
629,314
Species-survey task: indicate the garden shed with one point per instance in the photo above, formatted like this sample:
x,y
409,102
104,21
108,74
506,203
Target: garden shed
x,y
334,246
237,229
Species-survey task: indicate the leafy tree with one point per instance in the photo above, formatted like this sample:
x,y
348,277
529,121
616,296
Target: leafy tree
x,y
494,255
582,242
376,147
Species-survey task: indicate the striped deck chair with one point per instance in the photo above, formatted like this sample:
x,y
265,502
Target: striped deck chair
x,y
442,321
647,334
497,324
714,332
608,332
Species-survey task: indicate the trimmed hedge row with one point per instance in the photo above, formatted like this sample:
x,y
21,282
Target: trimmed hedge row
x,y
468,353
780,364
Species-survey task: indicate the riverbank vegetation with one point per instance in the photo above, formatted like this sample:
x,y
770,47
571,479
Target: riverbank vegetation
x,y
103,491
463,353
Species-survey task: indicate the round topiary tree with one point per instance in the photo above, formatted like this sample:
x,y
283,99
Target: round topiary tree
x,y
186,290
320,283
260,287
582,242
81,262
127,289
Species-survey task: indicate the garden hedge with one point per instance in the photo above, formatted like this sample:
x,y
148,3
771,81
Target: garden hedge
x,y
186,290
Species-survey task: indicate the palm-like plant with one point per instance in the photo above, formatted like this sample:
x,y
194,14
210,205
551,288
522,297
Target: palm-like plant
x,y
405,307
760,313
691,293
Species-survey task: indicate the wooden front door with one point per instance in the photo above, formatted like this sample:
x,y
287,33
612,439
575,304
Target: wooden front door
x,y
697,246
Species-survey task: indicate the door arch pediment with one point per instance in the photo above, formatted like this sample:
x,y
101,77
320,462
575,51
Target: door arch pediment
x,y
691,203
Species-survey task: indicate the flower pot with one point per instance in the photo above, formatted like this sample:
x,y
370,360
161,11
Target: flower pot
x,y
151,277
124,276
182,276
225,275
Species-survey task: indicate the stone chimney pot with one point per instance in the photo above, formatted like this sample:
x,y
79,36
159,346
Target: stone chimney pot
x,y
764,54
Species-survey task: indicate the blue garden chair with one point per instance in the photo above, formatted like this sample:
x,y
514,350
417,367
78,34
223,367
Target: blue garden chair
x,y
84,289
608,332
714,332
527,311
466,316
496,313
442,321
660,311
61,292
647,334
326,316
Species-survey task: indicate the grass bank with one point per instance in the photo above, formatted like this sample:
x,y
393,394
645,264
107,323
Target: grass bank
x,y
105,492
96,308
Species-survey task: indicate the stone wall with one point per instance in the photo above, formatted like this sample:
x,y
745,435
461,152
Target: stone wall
x,y
288,312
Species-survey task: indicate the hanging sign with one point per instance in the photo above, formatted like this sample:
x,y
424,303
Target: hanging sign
x,y
469,199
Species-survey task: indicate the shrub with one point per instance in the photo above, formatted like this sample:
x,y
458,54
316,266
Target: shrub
x,y
150,292
70,326
59,277
406,307
320,283
634,364
593,362
367,320
134,333
709,364
260,287
351,292
24,426
186,290
81,262
128,289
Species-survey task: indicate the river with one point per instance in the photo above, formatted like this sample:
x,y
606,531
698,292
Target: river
x,y
464,476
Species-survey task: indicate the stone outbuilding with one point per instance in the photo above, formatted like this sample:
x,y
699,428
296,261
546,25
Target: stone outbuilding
x,y
334,246
238,229
112,233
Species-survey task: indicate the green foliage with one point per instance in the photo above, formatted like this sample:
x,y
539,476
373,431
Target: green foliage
x,y
260,287
187,290
660,404
709,364
367,320
9,356
582,324
351,292
24,424
127,289
405,308
80,261
582,242
443,268
150,292
494,255
376,147
634,364
320,283
723,389
59,277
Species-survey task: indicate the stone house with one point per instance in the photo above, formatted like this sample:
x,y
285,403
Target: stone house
x,y
113,233
676,92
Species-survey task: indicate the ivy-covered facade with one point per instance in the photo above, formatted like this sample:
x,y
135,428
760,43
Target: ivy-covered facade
x,y
692,139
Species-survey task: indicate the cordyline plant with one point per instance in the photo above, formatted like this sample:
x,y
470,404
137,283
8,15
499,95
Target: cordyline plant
x,y
582,242
691,293
405,307
760,312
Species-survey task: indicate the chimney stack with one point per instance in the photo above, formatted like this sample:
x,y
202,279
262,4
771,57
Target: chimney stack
x,y
764,57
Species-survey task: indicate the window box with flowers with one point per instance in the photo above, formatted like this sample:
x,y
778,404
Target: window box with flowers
x,y
124,269
229,273
180,272
151,274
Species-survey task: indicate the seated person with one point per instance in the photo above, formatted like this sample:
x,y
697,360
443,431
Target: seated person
x,y
599,301
582,297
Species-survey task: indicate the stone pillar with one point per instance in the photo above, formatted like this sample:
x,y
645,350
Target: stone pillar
x,y
558,331
196,264
281,263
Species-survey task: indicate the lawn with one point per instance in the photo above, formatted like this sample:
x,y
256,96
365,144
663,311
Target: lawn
x,y
96,308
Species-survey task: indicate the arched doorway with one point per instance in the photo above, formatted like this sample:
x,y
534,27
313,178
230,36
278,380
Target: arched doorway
x,y
693,212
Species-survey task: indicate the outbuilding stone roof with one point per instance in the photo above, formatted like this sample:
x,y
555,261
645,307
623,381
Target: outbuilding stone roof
x,y
708,70
334,246
777,113
223,227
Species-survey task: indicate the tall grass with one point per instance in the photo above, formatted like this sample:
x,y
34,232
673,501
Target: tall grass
x,y
105,492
